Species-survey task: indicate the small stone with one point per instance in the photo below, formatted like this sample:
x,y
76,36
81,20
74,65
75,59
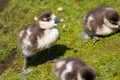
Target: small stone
x,y
72,19
59,9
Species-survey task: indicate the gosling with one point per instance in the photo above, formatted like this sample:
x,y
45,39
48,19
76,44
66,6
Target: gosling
x,y
100,22
39,36
73,69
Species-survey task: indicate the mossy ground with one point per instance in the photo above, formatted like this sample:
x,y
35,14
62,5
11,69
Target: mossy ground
x,y
104,56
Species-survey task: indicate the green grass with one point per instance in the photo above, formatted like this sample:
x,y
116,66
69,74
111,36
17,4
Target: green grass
x,y
104,56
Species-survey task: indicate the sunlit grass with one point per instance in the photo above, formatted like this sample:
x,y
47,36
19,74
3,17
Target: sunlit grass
x,y
104,56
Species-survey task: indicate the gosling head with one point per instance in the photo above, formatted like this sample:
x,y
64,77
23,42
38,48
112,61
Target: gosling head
x,y
47,20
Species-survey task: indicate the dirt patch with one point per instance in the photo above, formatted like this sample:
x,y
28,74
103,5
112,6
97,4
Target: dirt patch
x,y
1,26
5,64
3,4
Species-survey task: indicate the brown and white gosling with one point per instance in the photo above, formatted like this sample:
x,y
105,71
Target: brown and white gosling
x,y
39,36
100,22
73,69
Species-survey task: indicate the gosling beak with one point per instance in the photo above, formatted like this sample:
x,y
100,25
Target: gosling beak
x,y
57,20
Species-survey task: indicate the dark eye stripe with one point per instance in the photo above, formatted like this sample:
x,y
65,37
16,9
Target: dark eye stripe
x,y
114,23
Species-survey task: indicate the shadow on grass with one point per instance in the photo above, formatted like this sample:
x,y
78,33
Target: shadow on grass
x,y
47,55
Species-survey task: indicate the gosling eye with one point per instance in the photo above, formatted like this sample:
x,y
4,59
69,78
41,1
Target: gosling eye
x,y
48,19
